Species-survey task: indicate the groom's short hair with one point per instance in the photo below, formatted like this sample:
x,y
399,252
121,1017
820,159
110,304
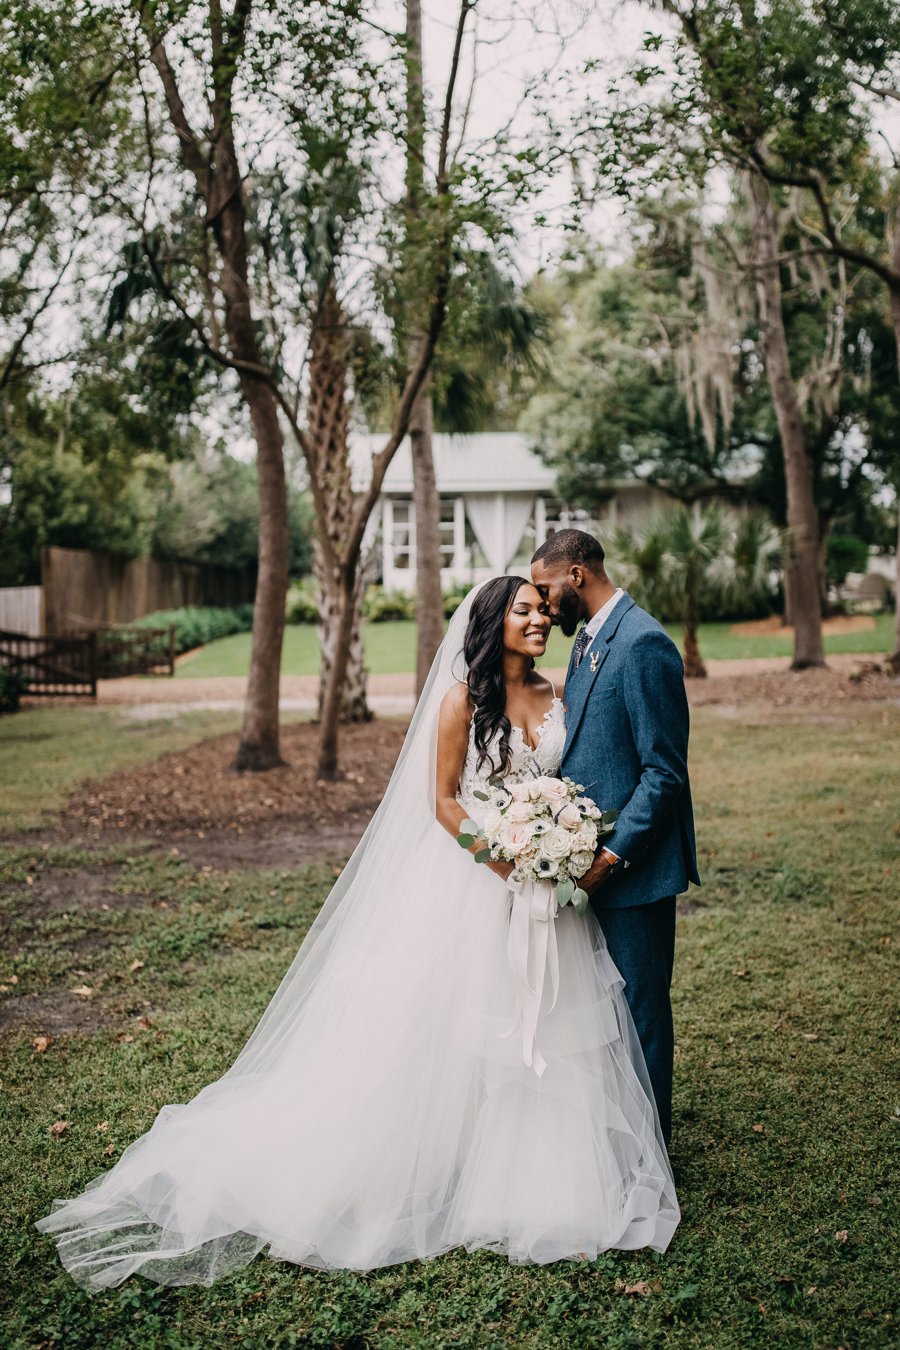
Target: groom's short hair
x,y
571,547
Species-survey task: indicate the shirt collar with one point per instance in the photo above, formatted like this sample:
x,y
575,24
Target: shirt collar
x,y
599,619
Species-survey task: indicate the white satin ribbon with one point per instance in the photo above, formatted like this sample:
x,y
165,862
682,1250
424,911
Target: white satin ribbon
x,y
531,948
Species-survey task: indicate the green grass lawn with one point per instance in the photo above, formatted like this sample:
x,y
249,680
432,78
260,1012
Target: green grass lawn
x,y
45,752
390,648
785,1114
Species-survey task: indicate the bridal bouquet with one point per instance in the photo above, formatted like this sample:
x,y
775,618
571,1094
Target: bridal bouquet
x,y
545,827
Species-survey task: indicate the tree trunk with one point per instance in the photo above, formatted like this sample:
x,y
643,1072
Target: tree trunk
x,y
426,501
259,746
354,705
894,658
694,669
802,516
327,765
328,423
427,506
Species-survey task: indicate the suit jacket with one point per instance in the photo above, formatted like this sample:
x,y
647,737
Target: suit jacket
x,y
627,725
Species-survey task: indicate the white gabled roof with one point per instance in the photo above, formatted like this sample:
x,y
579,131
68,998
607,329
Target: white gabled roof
x,y
490,461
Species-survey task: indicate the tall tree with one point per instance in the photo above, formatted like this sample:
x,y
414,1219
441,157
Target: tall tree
x,y
426,498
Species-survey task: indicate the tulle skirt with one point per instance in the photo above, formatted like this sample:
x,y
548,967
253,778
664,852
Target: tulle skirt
x,y
392,1117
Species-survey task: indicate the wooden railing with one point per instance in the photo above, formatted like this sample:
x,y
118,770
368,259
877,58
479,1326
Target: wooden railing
x,y
72,664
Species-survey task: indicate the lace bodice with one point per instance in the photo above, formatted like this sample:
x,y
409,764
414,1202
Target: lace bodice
x,y
525,762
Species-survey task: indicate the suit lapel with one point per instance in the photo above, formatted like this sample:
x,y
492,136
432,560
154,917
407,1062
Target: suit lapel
x,y
580,682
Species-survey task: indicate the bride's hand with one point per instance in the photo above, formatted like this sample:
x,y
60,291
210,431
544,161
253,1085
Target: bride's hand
x,y
503,869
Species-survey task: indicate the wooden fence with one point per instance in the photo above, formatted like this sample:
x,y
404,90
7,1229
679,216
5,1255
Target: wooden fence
x,y
20,609
84,590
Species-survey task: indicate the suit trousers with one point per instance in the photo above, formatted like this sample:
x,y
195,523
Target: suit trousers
x,y
641,942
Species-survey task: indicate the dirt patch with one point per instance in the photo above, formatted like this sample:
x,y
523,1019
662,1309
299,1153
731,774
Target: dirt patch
x,y
52,1014
78,889
832,627
283,817
833,686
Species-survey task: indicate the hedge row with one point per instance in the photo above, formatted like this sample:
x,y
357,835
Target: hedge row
x,y
196,625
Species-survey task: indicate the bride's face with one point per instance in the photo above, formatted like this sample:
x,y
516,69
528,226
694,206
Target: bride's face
x,y
527,623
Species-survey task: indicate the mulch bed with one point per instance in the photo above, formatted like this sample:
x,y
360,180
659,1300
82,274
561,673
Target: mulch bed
x,y
192,793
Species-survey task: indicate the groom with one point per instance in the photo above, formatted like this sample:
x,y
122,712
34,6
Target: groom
x,y
627,742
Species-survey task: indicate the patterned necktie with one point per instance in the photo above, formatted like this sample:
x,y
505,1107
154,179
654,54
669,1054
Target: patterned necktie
x,y
579,647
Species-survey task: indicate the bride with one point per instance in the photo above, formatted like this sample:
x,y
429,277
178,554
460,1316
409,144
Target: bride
x,y
394,1101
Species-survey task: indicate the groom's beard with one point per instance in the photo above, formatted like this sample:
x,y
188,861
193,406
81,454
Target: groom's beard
x,y
568,611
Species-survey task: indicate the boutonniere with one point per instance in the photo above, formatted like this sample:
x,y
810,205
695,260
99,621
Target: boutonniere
x,y
595,661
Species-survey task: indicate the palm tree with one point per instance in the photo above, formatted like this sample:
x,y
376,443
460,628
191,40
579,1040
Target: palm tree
x,y
690,562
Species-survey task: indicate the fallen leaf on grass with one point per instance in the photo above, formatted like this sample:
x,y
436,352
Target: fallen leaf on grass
x,y
58,1126
640,1287
40,1043
136,965
145,1024
104,1125
759,1129
841,1235
810,1035
110,1149
82,990
124,1036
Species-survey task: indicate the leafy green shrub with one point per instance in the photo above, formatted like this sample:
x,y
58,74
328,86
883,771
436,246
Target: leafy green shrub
x,y
196,625
12,687
381,606
302,605
845,553
454,597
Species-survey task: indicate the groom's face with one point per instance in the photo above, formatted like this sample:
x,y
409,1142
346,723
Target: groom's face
x,y
563,600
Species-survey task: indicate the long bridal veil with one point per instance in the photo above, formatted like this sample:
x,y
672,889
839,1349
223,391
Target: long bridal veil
x,y
160,1210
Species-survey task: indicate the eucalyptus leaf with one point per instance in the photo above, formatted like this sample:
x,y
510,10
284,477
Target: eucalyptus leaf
x,y
565,890
610,817
482,796
470,826
465,840
580,900
483,855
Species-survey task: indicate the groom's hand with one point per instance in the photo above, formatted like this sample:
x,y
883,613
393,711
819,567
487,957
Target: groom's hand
x,y
596,875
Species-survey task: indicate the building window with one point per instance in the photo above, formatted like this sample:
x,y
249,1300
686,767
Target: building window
x,y
402,534
448,547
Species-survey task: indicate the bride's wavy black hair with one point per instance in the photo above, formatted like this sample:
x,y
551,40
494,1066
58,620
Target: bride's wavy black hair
x,y
483,652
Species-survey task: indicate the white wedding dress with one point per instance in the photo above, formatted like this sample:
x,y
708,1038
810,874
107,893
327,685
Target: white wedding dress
x,y
382,1110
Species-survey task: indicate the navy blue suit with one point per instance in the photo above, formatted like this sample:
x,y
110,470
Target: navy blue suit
x,y
627,726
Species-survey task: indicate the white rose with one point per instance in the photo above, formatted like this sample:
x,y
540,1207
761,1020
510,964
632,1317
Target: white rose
x,y
579,863
519,812
585,838
555,844
518,792
553,790
514,837
569,817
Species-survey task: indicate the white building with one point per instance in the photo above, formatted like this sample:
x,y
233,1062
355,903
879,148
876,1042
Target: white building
x,y
498,503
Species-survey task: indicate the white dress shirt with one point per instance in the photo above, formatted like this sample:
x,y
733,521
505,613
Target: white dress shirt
x,y
599,619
